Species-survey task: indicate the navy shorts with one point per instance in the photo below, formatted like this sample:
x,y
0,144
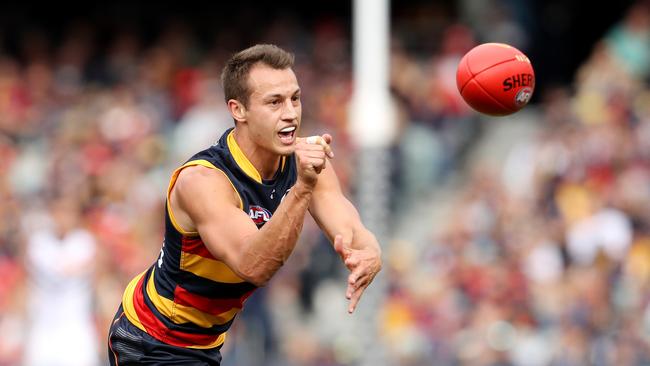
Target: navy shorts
x,y
129,345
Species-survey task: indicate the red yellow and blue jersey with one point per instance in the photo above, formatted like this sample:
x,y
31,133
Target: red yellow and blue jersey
x,y
189,298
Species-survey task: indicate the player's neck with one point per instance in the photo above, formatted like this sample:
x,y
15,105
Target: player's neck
x,y
265,162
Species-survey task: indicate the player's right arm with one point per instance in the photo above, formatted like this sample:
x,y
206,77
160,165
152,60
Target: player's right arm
x,y
203,200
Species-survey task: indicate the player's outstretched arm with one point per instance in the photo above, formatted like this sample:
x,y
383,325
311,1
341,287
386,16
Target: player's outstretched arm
x,y
340,221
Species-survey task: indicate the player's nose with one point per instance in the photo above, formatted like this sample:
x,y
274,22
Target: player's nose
x,y
289,111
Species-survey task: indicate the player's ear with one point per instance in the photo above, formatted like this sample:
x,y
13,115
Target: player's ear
x,y
237,110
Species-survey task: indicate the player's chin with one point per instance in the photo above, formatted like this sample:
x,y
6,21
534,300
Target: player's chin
x,y
284,149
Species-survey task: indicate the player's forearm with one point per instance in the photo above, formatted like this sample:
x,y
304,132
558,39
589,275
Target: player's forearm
x,y
340,217
271,246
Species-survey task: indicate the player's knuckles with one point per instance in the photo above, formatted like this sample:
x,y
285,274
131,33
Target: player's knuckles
x,y
300,148
309,147
311,153
301,152
317,155
310,160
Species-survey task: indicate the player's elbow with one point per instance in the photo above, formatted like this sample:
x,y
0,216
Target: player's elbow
x,y
258,273
260,281
257,278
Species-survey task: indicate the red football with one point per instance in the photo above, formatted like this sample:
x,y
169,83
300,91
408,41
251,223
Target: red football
x,y
495,79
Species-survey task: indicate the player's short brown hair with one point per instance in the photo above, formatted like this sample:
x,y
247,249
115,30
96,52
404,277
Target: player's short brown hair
x,y
234,76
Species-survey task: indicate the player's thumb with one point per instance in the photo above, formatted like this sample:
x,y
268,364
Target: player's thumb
x,y
327,137
342,246
338,246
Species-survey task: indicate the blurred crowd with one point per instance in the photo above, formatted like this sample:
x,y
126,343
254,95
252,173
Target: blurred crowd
x,y
544,263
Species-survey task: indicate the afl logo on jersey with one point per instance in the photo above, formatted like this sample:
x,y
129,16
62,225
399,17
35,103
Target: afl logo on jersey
x,y
259,215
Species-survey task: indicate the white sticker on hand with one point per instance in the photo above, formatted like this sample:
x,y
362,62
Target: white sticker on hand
x,y
314,140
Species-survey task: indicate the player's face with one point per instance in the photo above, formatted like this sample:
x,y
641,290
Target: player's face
x,y
274,108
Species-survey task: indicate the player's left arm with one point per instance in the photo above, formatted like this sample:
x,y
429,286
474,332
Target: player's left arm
x,y
340,221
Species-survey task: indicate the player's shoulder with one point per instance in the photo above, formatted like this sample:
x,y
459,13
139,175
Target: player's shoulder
x,y
196,171
200,180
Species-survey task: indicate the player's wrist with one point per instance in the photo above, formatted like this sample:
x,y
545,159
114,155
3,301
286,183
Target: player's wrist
x,y
303,189
308,180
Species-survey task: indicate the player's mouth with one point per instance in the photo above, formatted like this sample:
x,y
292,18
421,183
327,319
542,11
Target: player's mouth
x,y
287,135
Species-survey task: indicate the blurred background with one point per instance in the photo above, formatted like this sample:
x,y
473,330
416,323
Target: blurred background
x,y
522,240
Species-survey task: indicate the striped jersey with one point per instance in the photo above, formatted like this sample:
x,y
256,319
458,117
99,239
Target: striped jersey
x,y
188,298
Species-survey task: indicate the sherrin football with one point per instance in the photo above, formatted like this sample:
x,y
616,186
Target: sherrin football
x,y
495,79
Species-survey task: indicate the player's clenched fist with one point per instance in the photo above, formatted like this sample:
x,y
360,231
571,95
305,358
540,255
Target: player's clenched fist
x,y
311,154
